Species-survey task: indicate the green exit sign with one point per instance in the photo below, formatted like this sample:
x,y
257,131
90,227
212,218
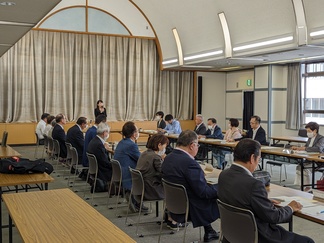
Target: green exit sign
x,y
249,82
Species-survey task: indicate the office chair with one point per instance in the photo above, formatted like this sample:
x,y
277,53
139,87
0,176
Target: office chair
x,y
237,224
92,171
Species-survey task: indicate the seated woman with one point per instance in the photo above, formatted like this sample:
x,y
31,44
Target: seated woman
x,y
231,135
315,143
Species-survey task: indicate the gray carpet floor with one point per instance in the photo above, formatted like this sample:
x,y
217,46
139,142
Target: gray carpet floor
x,y
150,231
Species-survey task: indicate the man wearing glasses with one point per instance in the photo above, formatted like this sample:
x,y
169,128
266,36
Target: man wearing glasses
x,y
256,132
181,167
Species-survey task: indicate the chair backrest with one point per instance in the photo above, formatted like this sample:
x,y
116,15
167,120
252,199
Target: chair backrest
x,y
45,141
176,198
68,152
93,165
237,223
302,132
116,171
137,182
50,144
37,139
74,156
4,139
56,148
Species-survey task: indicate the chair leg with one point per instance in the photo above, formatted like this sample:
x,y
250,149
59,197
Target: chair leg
x,y
164,207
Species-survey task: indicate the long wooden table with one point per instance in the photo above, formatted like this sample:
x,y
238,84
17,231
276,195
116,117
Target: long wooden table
x,y
289,139
276,191
59,216
21,179
7,152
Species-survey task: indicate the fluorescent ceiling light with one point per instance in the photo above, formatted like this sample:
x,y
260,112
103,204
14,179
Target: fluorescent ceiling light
x,y
15,23
294,60
170,61
263,43
317,33
214,53
230,68
178,43
226,33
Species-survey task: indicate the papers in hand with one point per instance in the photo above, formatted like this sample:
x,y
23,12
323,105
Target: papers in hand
x,y
212,180
208,168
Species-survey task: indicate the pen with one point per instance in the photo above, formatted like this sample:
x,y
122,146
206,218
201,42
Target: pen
x,y
320,212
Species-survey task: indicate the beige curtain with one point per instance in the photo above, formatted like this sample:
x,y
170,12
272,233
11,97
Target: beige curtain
x,y
67,73
294,105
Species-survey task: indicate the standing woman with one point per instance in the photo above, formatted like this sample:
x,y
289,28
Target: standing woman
x,y
100,110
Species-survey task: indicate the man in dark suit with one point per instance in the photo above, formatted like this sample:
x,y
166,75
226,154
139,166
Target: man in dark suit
x,y
181,167
213,132
256,132
99,147
59,134
90,134
239,188
200,127
75,136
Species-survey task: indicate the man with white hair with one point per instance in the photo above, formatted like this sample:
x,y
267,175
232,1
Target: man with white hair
x,y
200,127
99,147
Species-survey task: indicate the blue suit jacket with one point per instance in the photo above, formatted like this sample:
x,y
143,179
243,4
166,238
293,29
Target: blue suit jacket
x,y
217,134
90,134
127,153
179,167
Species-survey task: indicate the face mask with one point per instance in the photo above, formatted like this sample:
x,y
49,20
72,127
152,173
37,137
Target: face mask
x,y
161,152
105,138
310,134
210,127
137,136
157,118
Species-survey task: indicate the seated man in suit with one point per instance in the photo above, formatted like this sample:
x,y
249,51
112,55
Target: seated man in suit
x,y
99,147
256,132
90,134
200,129
75,137
239,188
214,132
181,167
58,133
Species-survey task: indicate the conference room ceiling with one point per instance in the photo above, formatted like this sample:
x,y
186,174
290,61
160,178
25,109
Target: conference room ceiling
x,y
17,17
186,28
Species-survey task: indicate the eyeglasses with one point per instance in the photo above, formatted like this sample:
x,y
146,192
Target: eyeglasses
x,y
198,145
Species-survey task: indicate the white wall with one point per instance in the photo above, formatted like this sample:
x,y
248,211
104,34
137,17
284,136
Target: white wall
x,y
213,98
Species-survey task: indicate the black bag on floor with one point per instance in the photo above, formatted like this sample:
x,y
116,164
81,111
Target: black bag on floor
x,y
24,166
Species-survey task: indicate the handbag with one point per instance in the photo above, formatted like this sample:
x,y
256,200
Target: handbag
x,y
263,176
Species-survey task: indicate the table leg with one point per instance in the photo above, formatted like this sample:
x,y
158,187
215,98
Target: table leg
x,y
0,214
302,175
313,174
10,229
46,186
157,209
290,223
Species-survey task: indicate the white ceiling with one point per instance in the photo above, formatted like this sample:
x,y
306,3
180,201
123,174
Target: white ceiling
x,y
200,30
17,17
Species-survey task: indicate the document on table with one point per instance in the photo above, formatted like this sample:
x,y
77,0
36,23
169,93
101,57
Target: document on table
x,y
309,206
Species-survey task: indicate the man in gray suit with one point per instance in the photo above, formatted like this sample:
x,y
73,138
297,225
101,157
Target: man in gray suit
x,y
238,187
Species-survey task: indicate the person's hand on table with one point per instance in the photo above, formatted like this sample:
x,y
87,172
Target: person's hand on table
x,y
201,136
296,206
298,148
275,202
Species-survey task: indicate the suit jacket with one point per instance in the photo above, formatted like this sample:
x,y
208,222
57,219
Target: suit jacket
x,y
161,124
217,133
179,167
97,148
238,188
259,136
318,145
201,129
75,137
90,134
149,164
59,134
127,153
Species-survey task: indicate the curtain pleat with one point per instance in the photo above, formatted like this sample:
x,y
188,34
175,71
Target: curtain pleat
x,y
67,73
294,105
